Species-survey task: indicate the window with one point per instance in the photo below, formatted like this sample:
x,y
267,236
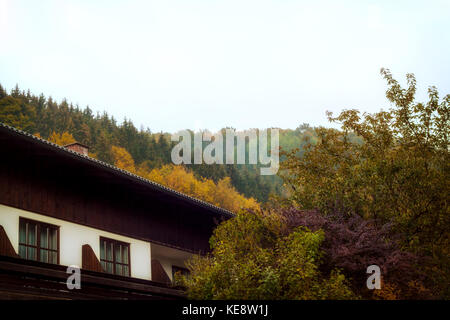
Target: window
x,y
38,241
183,271
115,256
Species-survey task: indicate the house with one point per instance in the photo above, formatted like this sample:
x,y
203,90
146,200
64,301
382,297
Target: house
x,y
59,208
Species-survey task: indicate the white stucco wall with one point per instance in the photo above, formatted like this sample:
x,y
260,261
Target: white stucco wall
x,y
74,236
169,257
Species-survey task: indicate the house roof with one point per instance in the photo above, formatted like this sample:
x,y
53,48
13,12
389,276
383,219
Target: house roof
x,y
212,209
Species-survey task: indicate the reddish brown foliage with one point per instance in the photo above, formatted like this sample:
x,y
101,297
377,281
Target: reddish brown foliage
x,y
353,243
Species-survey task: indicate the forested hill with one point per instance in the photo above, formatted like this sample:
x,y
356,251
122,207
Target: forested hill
x,y
143,151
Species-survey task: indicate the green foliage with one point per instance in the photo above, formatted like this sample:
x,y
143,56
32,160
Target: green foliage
x,y
3,92
397,172
253,258
16,113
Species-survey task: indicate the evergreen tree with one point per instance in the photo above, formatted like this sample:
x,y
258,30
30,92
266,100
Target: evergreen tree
x,y
2,92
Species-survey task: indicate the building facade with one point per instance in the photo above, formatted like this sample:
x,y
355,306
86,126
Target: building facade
x,y
60,208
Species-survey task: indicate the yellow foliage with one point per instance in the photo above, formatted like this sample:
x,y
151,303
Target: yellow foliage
x,y
61,139
388,291
221,194
416,290
227,197
122,159
93,155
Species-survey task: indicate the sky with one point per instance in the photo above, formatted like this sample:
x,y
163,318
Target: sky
x,y
207,64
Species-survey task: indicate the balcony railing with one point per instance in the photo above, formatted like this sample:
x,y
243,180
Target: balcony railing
x,y
24,279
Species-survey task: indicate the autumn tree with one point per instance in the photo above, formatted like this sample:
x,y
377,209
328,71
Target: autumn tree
x,y
397,173
61,139
352,243
122,159
252,258
221,194
3,92
16,113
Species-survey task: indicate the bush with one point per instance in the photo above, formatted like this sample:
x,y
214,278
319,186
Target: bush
x,y
252,258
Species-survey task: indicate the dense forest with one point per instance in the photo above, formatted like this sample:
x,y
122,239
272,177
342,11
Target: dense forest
x,y
62,122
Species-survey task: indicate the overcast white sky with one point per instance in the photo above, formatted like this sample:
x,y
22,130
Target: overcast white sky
x,y
171,65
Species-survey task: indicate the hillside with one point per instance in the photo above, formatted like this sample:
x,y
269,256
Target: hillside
x,y
63,122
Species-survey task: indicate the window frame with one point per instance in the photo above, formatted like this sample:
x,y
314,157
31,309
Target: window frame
x,y
39,226
114,261
184,271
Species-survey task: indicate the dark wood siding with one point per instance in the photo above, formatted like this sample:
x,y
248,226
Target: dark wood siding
x,y
45,180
